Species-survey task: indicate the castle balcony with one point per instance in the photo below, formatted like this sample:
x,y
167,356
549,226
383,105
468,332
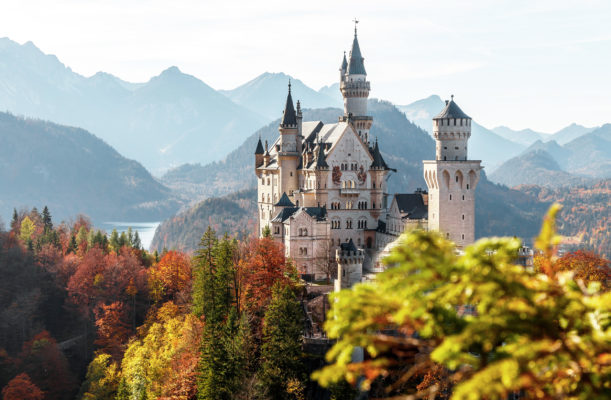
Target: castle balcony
x,y
349,191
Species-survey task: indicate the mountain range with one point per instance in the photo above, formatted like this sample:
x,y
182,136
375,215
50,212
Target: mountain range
x,y
171,119
584,159
266,95
71,171
175,118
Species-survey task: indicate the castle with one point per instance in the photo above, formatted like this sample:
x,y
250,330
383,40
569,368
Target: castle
x,y
322,187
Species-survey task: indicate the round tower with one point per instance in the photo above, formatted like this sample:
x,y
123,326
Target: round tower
x,y
349,265
452,178
452,130
355,90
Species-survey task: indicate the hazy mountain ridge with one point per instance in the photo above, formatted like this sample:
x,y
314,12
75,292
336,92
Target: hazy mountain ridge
x,y
266,95
72,171
171,119
586,158
525,136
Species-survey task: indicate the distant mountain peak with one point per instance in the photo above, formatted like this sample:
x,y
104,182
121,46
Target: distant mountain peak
x,y
173,70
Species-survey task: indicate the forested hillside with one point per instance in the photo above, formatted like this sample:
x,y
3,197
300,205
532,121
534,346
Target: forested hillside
x,y
585,212
72,171
235,214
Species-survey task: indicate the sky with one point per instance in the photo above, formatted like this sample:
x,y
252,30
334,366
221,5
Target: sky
x,y
524,64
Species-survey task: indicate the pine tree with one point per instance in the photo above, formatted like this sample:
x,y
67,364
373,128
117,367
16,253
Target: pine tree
x,y
114,240
281,351
130,237
15,221
46,220
72,246
225,336
137,243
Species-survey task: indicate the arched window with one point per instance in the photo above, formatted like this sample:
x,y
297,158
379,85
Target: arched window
x,y
463,217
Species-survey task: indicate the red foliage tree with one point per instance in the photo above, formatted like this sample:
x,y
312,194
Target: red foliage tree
x,y
171,276
263,264
22,388
112,329
47,366
104,278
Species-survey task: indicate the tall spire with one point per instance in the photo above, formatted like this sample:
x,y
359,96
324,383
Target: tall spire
x,y
344,66
357,66
289,117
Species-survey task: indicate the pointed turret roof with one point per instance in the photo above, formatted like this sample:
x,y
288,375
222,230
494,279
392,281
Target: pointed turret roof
x,y
451,110
259,149
344,63
348,246
378,160
289,117
321,162
284,201
357,65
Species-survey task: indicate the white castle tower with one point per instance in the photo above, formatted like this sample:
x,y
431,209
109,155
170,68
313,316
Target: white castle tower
x,y
349,265
451,178
355,90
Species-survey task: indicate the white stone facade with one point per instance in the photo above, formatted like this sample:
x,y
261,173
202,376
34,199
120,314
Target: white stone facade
x,y
322,187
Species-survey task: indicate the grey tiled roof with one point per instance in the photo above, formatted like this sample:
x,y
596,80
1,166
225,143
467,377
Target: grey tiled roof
x,y
348,246
259,149
318,213
357,65
378,160
344,63
412,204
289,117
284,201
451,110
321,162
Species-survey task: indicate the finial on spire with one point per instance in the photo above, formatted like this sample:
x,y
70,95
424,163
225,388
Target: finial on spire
x,y
289,85
452,97
356,21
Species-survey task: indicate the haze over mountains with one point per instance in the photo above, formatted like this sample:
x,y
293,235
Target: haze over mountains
x,y
175,118
171,119
584,159
71,171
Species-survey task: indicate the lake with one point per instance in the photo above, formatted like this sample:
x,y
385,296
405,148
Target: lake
x,y
146,230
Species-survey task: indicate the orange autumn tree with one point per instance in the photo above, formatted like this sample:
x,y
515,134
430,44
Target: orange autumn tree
x,y
262,264
170,276
586,266
22,388
112,330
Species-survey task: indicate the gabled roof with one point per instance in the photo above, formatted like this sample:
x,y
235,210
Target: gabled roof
x,y
284,214
378,160
289,117
357,65
259,149
318,213
284,201
412,204
451,110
